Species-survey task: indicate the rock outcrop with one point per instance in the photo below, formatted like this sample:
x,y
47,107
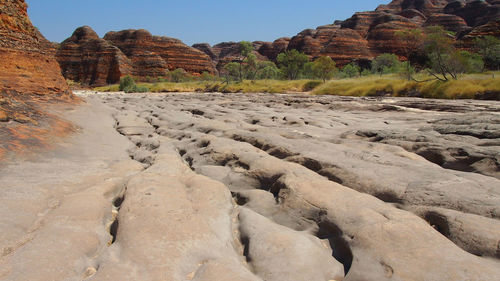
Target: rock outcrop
x,y
207,49
359,38
155,55
90,60
449,22
29,76
226,52
382,37
376,29
28,66
271,50
342,45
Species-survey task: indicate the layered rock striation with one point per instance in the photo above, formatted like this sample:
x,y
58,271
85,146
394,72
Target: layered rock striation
x,y
367,34
90,60
28,66
147,50
29,78
376,29
226,52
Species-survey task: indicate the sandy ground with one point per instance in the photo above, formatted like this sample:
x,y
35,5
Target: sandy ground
x,y
258,187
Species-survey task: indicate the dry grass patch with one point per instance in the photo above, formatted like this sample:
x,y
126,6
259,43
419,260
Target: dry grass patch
x,y
467,86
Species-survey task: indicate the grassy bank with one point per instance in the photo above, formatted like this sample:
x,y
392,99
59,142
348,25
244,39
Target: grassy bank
x,y
247,86
465,88
468,86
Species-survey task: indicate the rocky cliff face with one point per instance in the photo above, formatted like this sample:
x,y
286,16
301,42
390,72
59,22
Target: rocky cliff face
x,y
86,58
376,29
28,66
271,50
343,45
226,52
368,34
29,76
155,55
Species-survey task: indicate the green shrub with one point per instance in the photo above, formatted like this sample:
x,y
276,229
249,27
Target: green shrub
x,y
178,75
386,63
292,63
349,71
311,85
207,76
366,72
136,89
126,83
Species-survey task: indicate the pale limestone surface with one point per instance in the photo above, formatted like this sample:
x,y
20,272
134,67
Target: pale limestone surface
x,y
259,187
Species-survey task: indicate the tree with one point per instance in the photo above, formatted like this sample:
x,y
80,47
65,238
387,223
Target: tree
x,y
468,62
385,63
411,42
350,70
267,70
308,71
232,71
324,68
489,48
291,63
178,75
250,67
246,49
442,55
207,76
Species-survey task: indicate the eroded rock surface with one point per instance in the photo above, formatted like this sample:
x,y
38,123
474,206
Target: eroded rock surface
x,y
264,187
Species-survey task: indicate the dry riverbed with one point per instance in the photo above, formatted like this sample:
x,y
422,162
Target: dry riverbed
x,y
196,186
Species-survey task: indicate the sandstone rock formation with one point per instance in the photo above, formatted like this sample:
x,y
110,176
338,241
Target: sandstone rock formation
x,y
343,45
359,38
154,55
28,66
382,37
90,60
449,22
376,29
226,52
29,76
271,50
207,49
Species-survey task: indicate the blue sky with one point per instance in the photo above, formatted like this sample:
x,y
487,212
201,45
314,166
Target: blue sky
x,y
192,21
